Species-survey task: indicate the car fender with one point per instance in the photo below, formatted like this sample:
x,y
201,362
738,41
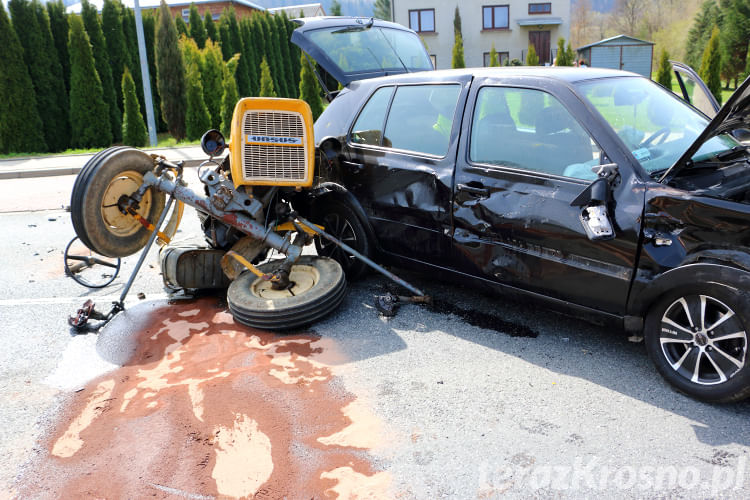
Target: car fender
x,y
689,274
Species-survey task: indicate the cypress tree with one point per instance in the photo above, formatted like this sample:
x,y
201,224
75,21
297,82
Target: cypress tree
x,y
295,53
182,28
309,89
494,59
58,22
266,82
133,128
700,32
44,69
98,46
170,73
149,33
457,59
197,31
197,120
286,56
230,96
211,77
747,64
190,52
664,75
571,55
562,54
88,113
225,38
335,8
117,52
273,51
531,58
734,33
20,124
710,71
256,27
134,60
457,23
210,26
243,67
248,49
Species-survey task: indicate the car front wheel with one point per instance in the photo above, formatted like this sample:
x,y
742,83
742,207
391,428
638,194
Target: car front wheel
x,y
698,339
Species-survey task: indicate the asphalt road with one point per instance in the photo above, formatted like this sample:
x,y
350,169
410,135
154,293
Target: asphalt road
x,y
541,405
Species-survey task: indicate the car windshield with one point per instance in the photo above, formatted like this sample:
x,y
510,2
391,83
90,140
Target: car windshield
x,y
361,50
655,125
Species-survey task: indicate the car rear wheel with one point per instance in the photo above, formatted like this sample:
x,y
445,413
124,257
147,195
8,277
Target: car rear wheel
x,y
97,219
317,288
698,339
342,223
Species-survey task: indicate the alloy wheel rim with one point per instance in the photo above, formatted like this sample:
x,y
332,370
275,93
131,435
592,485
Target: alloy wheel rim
x,y
341,229
703,339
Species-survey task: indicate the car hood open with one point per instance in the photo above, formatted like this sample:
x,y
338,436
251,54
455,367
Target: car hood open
x,y
356,48
734,115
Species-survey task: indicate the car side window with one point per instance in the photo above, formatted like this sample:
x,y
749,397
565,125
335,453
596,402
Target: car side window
x,y
530,130
421,118
368,129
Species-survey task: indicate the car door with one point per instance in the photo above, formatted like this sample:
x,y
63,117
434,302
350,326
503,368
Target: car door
x,y
524,158
399,160
693,90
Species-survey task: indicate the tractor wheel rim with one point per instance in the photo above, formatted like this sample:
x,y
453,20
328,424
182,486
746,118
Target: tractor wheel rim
x,y
302,280
125,184
703,339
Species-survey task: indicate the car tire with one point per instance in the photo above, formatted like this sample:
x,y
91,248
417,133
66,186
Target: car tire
x,y
340,221
697,337
320,285
97,221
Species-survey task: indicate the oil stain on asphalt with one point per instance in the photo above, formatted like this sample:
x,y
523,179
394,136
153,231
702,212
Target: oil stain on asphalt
x,y
206,408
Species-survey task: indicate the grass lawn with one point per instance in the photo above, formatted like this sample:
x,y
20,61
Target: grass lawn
x,y
163,141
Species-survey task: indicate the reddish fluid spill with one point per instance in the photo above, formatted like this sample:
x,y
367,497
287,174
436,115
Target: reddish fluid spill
x,y
197,409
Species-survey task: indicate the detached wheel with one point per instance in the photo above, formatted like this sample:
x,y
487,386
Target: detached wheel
x,y
698,340
318,287
106,178
343,224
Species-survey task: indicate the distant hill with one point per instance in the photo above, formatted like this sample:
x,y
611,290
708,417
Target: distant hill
x,y
348,7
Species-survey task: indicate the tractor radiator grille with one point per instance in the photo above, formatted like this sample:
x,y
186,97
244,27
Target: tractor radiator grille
x,y
279,161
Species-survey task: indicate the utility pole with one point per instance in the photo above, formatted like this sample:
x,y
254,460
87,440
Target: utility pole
x,y
145,75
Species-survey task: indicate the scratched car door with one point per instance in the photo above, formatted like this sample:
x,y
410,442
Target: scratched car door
x,y
525,159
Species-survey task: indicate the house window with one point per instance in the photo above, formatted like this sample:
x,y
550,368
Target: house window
x,y
495,17
422,20
502,57
433,58
540,8
185,12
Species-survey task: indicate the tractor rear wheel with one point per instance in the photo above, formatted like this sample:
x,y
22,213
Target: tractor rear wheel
x,y
98,221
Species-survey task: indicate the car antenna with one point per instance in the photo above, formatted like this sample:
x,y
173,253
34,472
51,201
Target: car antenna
x,y
329,95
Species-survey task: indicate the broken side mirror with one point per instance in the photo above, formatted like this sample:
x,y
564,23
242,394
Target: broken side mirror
x,y
594,201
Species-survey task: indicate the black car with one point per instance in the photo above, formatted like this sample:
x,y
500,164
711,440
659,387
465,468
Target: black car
x,y
594,190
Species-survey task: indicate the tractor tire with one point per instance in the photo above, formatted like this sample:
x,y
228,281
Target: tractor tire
x,y
109,175
319,288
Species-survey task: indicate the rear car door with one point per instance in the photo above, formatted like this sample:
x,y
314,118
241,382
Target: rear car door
x,y
399,160
524,157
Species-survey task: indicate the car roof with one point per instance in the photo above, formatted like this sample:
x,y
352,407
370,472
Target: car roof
x,y
567,74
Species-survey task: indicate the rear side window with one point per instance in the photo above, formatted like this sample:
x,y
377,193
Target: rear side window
x,y
531,130
368,129
421,118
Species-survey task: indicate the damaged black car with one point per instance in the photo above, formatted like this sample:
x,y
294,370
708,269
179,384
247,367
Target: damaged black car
x,y
595,191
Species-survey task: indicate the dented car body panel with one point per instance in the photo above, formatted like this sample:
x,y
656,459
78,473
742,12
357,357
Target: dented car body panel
x,y
516,228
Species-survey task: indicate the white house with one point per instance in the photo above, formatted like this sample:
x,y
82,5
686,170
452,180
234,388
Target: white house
x,y
511,25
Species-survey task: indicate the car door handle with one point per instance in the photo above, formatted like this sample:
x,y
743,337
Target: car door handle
x,y
474,191
354,166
